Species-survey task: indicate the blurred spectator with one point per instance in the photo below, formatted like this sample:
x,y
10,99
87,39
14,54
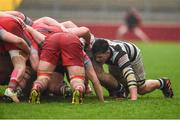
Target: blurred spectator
x,y
133,23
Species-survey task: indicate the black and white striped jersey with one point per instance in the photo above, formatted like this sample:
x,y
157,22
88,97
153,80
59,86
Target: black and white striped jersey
x,y
122,53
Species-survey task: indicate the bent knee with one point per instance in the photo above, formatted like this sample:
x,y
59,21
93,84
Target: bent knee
x,y
141,90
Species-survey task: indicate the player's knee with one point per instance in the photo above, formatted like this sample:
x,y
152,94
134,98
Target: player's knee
x,y
142,89
141,92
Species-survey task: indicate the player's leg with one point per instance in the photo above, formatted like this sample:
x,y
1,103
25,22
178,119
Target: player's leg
x,y
121,89
122,30
77,77
27,77
45,71
72,58
108,81
146,86
149,86
24,87
88,89
19,62
163,84
5,62
141,34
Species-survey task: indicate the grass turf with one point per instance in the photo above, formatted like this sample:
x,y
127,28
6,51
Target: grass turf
x,y
160,59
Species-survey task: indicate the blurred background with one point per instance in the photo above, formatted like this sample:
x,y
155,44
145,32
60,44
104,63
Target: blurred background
x,y
105,15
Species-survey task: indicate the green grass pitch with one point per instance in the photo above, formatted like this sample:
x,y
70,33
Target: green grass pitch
x,y
160,59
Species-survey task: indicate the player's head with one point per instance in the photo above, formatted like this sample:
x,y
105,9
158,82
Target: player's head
x,y
100,50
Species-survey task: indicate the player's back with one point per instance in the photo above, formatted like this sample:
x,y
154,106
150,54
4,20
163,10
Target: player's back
x,y
46,29
129,48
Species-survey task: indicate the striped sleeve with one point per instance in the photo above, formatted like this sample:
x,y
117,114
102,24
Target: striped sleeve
x,y
122,60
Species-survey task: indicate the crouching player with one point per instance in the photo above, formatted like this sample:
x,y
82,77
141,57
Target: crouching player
x,y
125,64
14,31
67,48
55,85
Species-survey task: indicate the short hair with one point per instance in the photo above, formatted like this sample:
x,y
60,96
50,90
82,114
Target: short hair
x,y
100,46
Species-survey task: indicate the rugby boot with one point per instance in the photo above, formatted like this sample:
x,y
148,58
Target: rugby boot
x,y
10,96
167,89
122,92
77,97
34,96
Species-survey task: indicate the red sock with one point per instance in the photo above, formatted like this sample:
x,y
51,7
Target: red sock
x,y
13,80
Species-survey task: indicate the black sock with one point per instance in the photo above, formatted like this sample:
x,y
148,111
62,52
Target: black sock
x,y
119,87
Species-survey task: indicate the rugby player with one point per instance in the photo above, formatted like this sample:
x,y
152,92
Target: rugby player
x,y
48,26
133,23
16,30
75,70
126,65
67,26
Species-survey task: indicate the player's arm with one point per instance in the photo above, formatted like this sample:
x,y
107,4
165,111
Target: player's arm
x,y
34,55
51,22
67,27
82,32
90,72
69,24
3,14
11,38
38,37
34,58
16,13
129,75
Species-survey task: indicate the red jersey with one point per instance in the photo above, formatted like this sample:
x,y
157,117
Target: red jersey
x,y
1,27
18,28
